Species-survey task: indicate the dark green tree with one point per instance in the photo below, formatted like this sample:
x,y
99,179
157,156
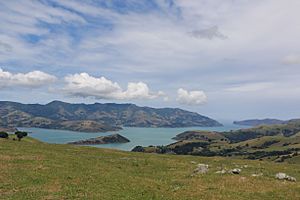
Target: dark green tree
x,y
21,134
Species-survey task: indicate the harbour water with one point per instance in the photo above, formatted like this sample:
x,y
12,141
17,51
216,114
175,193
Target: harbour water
x,y
137,136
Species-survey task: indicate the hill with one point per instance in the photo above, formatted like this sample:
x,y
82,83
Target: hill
x,y
279,143
8,129
199,135
96,117
34,170
288,129
259,122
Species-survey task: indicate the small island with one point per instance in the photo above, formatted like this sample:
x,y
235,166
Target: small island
x,y
109,139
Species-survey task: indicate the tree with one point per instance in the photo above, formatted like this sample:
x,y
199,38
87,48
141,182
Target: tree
x,y
21,134
3,135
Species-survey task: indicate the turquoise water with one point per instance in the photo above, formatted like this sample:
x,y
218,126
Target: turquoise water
x,y
137,136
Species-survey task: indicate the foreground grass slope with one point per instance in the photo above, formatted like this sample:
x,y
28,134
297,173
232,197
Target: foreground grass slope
x,y
34,170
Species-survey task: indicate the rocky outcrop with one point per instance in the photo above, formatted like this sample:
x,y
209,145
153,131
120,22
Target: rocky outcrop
x,y
236,171
115,138
201,169
284,176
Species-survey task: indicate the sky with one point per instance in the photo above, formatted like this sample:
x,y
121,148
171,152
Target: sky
x,y
227,59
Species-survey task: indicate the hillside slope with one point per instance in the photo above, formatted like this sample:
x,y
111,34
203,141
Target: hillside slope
x,y
34,170
289,129
279,143
106,117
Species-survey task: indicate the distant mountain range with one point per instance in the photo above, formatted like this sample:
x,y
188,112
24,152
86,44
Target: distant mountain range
x,y
96,117
257,122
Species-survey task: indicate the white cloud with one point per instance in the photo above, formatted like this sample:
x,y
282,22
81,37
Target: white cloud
x,y
140,90
191,97
163,49
84,85
30,79
292,59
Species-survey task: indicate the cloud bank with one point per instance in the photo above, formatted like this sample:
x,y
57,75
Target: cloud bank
x,y
84,85
182,45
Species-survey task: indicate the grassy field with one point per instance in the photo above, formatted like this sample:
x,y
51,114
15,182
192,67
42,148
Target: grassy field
x,y
34,170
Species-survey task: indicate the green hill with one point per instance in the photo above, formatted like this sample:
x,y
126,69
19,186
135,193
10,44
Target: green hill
x,y
279,143
286,130
34,170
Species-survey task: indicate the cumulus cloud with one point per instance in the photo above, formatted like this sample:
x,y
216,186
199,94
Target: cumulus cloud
x,y
191,97
291,59
84,85
30,79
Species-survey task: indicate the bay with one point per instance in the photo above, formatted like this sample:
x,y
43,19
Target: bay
x,y
137,136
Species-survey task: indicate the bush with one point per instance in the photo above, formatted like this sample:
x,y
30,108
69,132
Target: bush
x,y
3,135
138,149
161,149
20,134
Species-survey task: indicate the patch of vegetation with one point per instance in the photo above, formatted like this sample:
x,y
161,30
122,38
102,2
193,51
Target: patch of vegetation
x,y
3,135
278,143
34,170
21,134
286,130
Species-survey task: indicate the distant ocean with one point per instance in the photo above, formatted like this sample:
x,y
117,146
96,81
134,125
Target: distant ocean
x,y
137,136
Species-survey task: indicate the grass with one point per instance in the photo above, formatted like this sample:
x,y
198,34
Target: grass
x,y
34,170
282,143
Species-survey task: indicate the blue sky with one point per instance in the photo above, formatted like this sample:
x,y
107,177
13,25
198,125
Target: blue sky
x,y
232,59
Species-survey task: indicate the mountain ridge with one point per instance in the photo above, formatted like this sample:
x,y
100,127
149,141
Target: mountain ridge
x,y
106,116
266,121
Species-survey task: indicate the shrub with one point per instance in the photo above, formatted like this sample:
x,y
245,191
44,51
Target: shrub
x,y
3,135
20,134
138,149
161,149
